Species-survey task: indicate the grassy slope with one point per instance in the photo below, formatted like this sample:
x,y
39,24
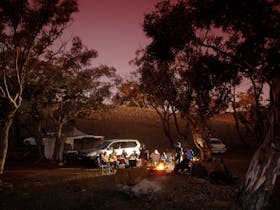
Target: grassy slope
x,y
145,125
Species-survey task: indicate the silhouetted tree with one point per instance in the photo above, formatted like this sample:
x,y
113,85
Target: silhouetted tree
x,y
180,73
76,88
244,35
26,30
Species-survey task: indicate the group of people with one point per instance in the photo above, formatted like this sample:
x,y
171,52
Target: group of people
x,y
181,158
115,161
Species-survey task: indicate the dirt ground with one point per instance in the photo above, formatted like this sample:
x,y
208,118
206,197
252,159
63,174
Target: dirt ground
x,y
79,188
75,187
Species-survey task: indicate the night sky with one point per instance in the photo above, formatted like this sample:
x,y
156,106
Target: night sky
x,y
113,28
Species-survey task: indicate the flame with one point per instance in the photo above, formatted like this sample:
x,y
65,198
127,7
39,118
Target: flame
x,y
160,166
195,159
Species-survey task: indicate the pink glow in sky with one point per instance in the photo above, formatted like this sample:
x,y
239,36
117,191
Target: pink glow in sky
x,y
113,28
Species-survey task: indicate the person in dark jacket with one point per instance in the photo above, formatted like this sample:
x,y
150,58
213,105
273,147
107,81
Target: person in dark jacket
x,y
144,155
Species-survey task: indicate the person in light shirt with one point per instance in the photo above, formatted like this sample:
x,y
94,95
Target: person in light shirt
x,y
113,159
133,159
104,158
155,157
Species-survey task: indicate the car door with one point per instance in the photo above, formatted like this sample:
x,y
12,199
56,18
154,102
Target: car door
x,y
117,147
130,147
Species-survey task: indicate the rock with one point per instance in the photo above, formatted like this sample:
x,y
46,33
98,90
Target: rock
x,y
146,187
130,176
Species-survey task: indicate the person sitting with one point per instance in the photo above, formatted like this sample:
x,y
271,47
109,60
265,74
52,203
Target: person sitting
x,y
113,159
155,157
122,159
163,157
133,159
104,158
169,156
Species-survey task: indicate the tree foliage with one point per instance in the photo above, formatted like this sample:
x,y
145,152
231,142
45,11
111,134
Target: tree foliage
x,y
27,28
177,73
130,93
69,87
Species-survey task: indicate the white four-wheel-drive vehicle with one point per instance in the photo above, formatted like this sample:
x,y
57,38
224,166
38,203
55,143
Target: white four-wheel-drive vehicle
x,y
118,145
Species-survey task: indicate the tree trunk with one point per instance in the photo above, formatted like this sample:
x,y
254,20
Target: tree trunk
x,y
59,146
165,118
200,143
259,122
39,139
261,176
185,136
237,121
5,140
17,129
166,130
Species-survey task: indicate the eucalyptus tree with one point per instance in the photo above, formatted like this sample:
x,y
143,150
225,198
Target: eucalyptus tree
x,y
27,28
37,96
181,76
188,89
76,87
245,34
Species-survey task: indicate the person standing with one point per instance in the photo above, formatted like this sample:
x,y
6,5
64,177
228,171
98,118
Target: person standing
x,y
178,157
178,153
155,157
144,155
189,154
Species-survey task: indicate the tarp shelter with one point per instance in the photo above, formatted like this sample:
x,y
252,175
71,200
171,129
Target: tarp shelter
x,y
74,140
82,142
78,140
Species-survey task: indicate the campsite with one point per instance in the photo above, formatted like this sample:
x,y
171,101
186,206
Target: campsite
x,y
155,104
32,185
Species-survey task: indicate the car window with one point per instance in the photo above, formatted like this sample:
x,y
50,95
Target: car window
x,y
123,144
130,144
116,145
103,145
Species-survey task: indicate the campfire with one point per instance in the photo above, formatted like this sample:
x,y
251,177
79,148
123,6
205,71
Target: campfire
x,y
163,167
160,166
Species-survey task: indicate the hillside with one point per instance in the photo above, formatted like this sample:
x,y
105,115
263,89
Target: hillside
x,y
145,125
